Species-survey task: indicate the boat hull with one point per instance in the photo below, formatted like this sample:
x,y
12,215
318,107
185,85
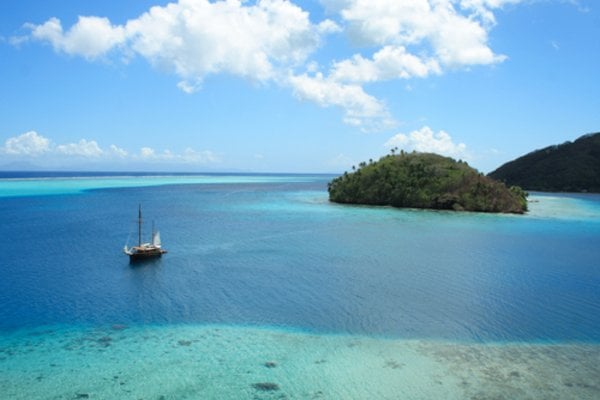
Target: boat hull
x,y
140,254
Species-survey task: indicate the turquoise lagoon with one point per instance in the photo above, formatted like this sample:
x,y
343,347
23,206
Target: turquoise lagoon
x,y
271,292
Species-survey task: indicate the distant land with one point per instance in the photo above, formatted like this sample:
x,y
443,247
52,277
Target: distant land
x,y
425,180
20,166
568,167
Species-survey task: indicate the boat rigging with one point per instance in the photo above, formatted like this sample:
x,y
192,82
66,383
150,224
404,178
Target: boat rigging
x,y
144,251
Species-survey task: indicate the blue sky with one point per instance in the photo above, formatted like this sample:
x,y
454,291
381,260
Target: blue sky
x,y
292,86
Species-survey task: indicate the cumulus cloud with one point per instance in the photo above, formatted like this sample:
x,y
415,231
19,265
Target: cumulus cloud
x,y
32,144
16,41
361,109
117,151
147,152
329,26
83,148
411,38
273,41
426,140
196,38
192,156
454,33
29,144
342,87
90,37
483,8
188,156
388,63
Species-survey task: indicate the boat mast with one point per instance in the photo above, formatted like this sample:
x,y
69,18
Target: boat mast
x,y
140,226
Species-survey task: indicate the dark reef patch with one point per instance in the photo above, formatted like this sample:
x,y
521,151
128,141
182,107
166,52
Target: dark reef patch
x,y
266,386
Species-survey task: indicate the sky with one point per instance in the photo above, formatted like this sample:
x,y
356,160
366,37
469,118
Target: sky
x,y
291,86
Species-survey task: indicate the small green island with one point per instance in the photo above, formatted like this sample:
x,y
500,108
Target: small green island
x,y
428,181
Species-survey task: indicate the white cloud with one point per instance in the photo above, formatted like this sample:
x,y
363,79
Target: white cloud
x,y
32,144
343,86
188,156
361,109
388,63
117,151
425,140
259,41
461,41
90,37
147,152
411,38
192,156
329,26
83,148
196,38
16,41
273,40
483,8
455,33
28,144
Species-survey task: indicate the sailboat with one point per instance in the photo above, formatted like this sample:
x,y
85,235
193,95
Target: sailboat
x,y
145,251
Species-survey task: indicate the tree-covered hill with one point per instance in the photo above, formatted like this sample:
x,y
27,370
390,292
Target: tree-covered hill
x,y
424,180
569,167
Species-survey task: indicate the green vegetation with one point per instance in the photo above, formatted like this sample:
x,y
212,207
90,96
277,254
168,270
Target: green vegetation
x,y
424,180
569,167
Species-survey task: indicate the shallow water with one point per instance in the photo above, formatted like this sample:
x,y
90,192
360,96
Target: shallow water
x,y
346,302
224,362
36,184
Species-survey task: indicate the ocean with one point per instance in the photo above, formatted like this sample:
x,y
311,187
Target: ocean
x,y
268,291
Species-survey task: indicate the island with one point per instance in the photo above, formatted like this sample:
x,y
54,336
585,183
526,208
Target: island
x,y
427,181
568,167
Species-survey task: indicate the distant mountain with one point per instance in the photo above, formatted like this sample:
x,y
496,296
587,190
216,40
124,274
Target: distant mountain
x,y
424,180
568,167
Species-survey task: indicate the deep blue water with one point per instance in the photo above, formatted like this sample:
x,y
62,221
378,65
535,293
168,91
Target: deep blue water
x,y
277,253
